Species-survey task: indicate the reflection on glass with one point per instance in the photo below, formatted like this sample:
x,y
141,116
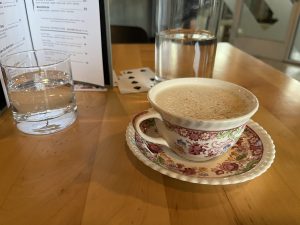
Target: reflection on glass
x,y
262,13
295,51
226,21
265,19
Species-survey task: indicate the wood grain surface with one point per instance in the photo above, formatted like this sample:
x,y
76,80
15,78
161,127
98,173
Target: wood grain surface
x,y
87,175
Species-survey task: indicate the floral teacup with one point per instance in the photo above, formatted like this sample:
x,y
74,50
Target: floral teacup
x,y
195,139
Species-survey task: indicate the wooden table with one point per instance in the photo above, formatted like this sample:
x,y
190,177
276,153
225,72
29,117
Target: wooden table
x,y
87,174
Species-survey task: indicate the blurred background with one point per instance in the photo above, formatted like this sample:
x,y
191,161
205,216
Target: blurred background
x,y
266,29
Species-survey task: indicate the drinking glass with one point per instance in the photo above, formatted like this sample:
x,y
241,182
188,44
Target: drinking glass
x,y
40,89
186,38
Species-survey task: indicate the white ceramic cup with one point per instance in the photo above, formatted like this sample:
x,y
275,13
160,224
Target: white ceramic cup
x,y
195,139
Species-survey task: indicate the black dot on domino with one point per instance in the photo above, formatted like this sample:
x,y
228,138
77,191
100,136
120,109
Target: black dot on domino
x,y
137,87
134,82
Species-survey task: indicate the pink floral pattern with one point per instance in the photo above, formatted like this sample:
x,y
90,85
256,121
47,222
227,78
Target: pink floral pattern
x,y
204,143
197,149
242,157
196,135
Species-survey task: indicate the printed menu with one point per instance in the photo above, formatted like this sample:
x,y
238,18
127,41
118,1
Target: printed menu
x,y
73,26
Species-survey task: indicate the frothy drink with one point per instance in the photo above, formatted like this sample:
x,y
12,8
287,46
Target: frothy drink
x,y
203,102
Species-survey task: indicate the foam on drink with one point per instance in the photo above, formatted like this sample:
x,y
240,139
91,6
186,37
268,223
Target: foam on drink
x,y
202,102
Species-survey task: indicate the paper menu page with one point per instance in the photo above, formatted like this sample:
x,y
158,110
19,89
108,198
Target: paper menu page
x,y
14,31
72,26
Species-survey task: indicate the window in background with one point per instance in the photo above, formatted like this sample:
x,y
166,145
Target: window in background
x,y
133,13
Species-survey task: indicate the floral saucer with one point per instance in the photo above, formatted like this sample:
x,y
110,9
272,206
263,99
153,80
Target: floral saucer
x,y
251,156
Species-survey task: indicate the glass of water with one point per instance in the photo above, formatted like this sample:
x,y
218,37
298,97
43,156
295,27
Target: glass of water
x,y
186,38
40,89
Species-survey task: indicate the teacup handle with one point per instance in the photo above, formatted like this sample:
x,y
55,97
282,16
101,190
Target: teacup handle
x,y
150,113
